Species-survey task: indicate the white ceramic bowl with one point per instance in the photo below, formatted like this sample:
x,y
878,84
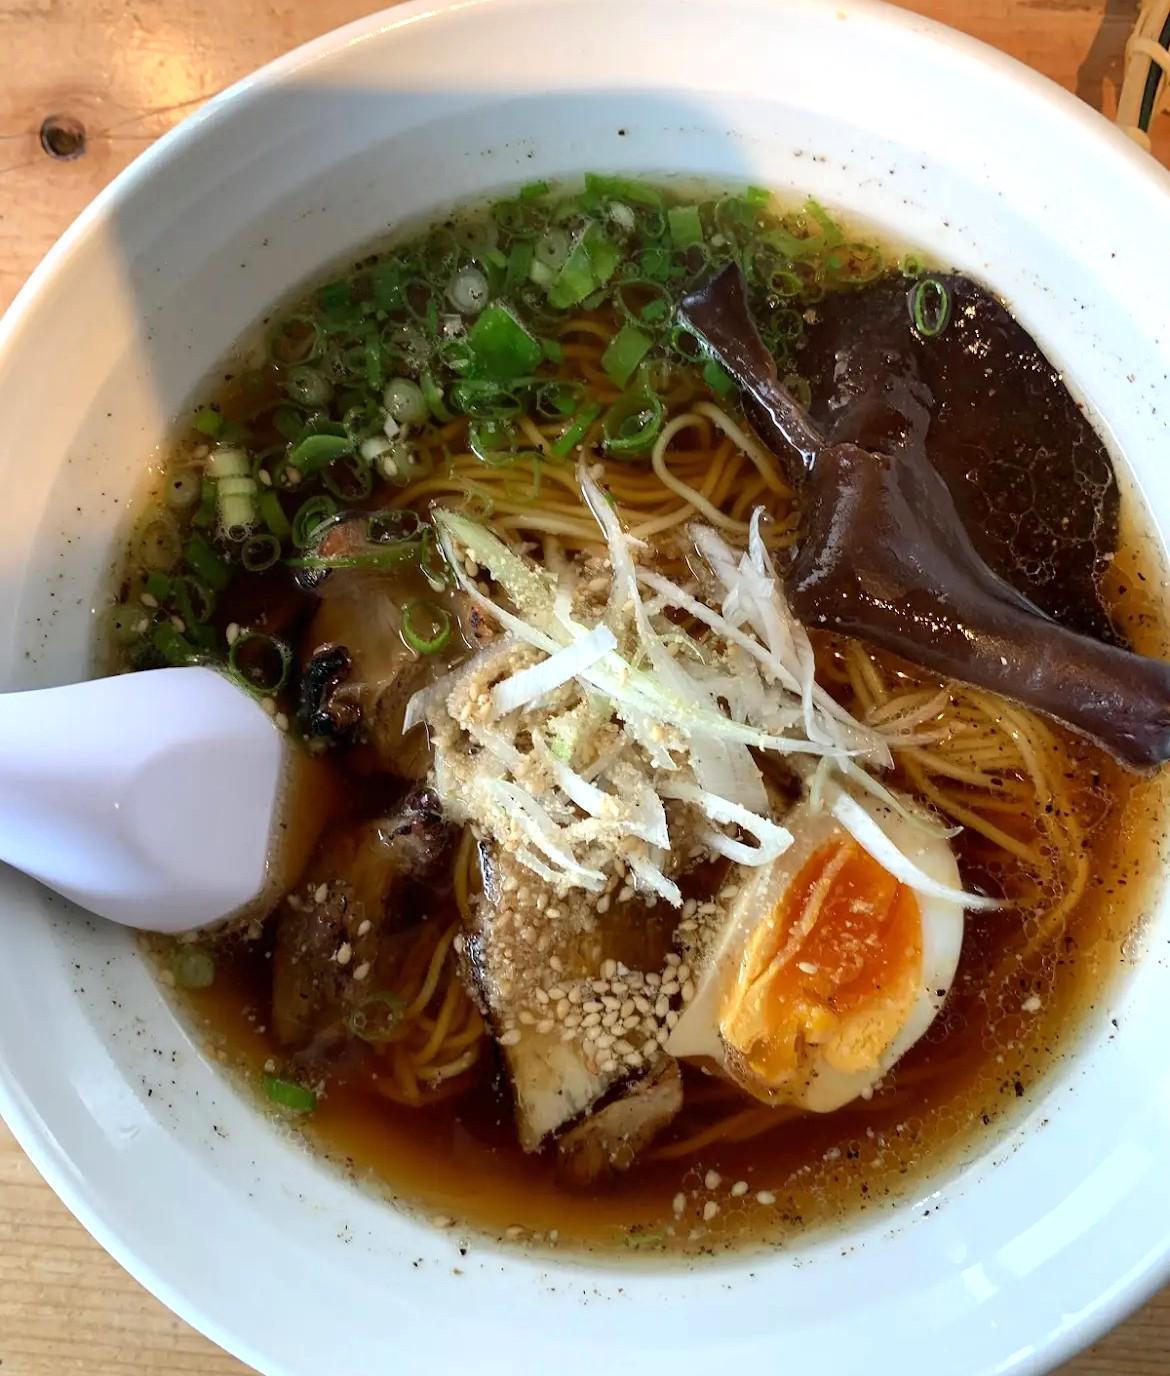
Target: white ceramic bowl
x,y
1035,1247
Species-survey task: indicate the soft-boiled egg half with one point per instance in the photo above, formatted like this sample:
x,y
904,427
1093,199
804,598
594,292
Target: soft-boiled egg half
x,y
827,969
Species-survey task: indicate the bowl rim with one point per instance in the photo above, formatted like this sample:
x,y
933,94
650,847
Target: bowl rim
x,y
17,1110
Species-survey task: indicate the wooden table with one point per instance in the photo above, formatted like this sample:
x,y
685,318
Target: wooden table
x,y
129,70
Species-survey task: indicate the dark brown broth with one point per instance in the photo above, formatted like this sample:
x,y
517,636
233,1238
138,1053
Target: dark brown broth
x,y
982,1061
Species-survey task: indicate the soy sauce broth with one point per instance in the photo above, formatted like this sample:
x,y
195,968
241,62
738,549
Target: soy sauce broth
x,y
986,1058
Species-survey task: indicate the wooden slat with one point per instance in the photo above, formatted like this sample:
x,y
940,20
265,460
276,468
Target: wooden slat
x,y
129,72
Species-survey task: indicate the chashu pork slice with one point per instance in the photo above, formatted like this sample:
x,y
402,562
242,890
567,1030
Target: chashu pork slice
x,y
541,964
611,1136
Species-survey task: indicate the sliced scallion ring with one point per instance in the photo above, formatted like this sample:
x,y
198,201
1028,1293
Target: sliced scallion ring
x,y
310,517
632,423
377,1018
260,552
426,627
260,661
929,303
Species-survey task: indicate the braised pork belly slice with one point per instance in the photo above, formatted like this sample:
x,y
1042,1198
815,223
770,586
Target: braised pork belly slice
x,y
612,1135
577,987
365,883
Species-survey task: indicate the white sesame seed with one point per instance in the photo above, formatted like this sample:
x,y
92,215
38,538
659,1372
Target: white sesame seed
x,y
344,953
605,1041
712,1180
679,1204
556,993
232,634
625,894
556,964
739,1189
362,970
683,973
442,1221
513,1232
765,1197
511,1037
320,893
593,1006
710,1209
562,1009
589,1020
608,1067
806,967
633,1059
269,705
1032,1004
148,600
545,1025
608,969
603,903
179,624
281,721
265,477
688,991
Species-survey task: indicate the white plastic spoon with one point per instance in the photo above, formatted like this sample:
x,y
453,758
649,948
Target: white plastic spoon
x,y
151,799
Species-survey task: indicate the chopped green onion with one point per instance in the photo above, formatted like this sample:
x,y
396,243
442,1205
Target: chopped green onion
x,y
559,398
565,443
476,397
159,543
159,586
574,281
349,478
434,398
551,250
307,386
172,645
377,1018
124,623
183,488
502,347
309,519
206,563
404,401
260,661
930,306
193,968
295,340
686,228
193,600
260,552
623,189
625,351
911,265
272,514
288,423
552,350
520,258
236,500
426,627
757,196
632,423
468,291
315,452
288,1094
719,381
604,255
534,190
207,421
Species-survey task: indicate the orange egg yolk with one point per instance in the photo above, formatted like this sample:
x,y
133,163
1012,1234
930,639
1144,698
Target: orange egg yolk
x,y
831,973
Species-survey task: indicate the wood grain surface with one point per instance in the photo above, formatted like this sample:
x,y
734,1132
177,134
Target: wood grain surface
x,y
129,70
